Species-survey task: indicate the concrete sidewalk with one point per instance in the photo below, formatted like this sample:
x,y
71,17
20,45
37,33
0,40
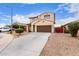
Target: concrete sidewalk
x,y
27,45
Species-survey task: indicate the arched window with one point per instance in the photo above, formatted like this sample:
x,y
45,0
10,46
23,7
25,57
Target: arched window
x,y
47,17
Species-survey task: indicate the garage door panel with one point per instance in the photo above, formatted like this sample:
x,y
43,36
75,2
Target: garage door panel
x,y
43,28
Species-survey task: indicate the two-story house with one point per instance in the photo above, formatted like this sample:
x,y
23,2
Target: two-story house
x,y
42,23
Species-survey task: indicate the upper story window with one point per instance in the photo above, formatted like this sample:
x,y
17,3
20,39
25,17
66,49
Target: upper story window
x,y
47,17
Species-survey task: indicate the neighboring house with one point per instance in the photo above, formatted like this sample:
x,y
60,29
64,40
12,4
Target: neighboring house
x,y
42,23
64,28
66,25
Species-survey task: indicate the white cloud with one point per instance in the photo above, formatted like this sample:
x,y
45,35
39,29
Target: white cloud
x,y
70,8
67,20
21,19
7,16
4,19
18,18
33,14
73,8
2,25
2,14
62,6
24,18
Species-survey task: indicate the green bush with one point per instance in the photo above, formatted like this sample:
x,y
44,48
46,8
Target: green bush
x,y
16,26
21,26
19,30
73,28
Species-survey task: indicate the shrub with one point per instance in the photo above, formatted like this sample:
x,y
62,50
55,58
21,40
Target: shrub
x,y
19,30
21,26
73,28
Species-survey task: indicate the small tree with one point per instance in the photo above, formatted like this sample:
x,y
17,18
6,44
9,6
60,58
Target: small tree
x,y
15,26
73,28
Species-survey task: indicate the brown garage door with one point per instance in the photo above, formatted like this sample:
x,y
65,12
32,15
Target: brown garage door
x,y
44,28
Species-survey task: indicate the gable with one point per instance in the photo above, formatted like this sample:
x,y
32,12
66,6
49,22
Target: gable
x,y
47,16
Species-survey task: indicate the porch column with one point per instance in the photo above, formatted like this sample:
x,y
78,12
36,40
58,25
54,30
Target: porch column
x,y
31,28
35,28
52,28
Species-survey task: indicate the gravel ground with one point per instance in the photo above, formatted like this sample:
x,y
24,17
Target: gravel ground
x,y
60,44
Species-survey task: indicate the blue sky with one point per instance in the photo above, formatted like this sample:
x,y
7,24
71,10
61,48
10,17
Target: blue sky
x,y
64,12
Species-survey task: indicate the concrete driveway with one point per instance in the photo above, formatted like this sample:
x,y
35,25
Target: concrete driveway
x,y
27,45
5,39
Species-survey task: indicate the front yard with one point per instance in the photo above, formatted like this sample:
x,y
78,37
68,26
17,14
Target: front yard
x,y
60,44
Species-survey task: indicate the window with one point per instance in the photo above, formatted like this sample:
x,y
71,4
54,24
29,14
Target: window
x,y
47,17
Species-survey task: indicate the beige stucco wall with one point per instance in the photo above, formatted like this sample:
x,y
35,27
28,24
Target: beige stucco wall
x,y
51,16
39,21
43,22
